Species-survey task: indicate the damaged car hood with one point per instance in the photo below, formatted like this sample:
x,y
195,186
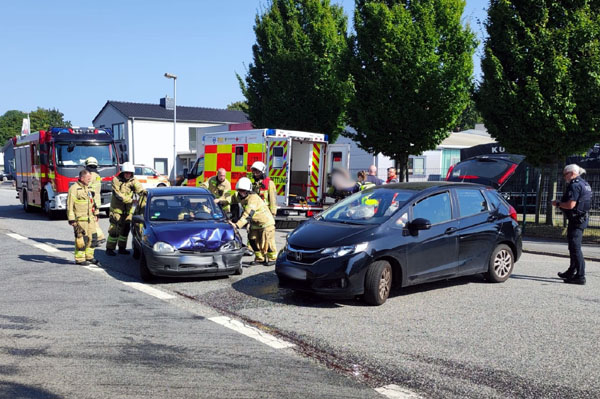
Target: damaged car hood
x,y
195,236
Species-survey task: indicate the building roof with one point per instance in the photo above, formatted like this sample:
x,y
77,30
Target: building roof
x,y
184,114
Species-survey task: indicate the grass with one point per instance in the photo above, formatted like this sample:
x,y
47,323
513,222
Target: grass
x,y
590,235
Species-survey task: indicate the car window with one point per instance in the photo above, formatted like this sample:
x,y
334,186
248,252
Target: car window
x,y
494,199
189,207
138,171
471,202
148,172
436,208
373,206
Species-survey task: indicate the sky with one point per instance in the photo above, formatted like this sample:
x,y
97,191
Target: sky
x,y
75,55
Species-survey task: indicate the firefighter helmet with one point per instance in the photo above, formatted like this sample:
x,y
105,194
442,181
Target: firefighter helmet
x,y
244,184
91,161
261,167
127,167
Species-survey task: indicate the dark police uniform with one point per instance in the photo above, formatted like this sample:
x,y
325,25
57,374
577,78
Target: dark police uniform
x,y
577,190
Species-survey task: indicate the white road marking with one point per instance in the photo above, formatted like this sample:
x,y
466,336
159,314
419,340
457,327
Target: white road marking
x,y
16,236
393,391
149,290
46,248
252,332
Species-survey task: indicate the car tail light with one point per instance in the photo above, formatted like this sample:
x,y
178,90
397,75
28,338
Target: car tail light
x,y
449,172
309,214
513,213
507,173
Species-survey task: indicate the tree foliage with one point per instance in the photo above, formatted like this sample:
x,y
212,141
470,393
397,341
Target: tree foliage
x,y
412,70
238,106
540,92
299,75
41,118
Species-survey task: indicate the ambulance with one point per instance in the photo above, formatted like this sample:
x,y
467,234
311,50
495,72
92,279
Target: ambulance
x,y
296,163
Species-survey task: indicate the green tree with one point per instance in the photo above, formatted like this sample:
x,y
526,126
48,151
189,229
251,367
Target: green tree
x,y
238,106
299,75
412,72
11,121
540,92
469,117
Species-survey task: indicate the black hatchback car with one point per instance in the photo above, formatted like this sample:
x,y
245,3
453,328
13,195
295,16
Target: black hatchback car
x,y
179,231
406,234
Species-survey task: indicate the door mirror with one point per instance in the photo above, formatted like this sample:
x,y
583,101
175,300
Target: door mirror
x,y
419,224
137,219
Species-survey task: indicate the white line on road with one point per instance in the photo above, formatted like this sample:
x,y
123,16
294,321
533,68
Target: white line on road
x,y
393,391
252,332
46,248
16,236
149,290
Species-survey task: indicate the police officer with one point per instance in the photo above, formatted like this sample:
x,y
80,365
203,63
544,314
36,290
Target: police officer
x,y
261,235
575,203
91,164
263,186
121,208
220,187
82,215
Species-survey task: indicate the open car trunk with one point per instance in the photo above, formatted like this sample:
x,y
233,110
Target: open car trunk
x,y
490,170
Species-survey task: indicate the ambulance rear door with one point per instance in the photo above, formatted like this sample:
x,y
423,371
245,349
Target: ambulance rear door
x,y
278,166
338,157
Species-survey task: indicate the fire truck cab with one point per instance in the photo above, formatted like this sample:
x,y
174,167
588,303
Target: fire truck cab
x,y
48,162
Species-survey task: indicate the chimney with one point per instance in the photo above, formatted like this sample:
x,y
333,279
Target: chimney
x,y
167,103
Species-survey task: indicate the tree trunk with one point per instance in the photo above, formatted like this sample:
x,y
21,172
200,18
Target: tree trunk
x,y
552,184
538,196
401,168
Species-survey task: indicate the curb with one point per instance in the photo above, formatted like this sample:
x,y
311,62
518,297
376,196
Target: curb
x,y
529,251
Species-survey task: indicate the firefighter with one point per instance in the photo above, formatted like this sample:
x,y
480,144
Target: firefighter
x,y
263,186
220,187
261,235
82,216
121,208
91,164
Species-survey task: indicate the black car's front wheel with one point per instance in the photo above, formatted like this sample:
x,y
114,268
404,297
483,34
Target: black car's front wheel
x,y
501,264
378,282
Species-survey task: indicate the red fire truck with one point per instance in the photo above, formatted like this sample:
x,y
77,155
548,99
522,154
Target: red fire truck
x,y
48,162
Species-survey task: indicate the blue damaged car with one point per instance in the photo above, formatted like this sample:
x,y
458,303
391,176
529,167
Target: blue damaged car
x,y
179,231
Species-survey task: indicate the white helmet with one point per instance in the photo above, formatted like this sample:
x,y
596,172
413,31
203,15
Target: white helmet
x,y
259,166
127,167
244,184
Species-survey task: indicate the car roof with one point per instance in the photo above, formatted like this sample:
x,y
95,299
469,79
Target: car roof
x,y
177,190
425,185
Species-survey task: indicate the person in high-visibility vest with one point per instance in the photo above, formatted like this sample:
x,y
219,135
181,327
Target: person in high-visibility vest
x,y
121,209
91,164
261,234
82,216
263,186
220,187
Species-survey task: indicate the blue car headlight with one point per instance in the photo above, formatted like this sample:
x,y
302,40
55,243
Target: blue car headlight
x,y
163,248
345,250
231,245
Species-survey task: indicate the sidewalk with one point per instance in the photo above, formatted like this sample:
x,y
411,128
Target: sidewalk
x,y
541,246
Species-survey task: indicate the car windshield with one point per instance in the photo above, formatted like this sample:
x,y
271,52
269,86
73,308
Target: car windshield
x,y
184,208
69,154
373,206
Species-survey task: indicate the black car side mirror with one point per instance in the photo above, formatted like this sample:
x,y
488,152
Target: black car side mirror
x,y
137,219
418,224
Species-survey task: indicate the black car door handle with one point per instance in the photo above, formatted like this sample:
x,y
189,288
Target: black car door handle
x,y
450,230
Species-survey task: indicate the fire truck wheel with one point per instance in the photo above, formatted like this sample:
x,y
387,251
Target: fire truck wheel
x,y
26,206
46,207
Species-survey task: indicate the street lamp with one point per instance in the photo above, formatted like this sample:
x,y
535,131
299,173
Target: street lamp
x,y
174,77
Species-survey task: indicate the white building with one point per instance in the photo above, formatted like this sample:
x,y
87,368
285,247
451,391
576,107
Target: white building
x,y
430,165
147,129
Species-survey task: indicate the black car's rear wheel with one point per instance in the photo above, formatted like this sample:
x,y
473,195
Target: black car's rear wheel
x,y
501,265
378,283
145,274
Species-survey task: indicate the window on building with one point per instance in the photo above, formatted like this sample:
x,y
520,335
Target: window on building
x,y
449,158
118,130
239,155
416,166
192,138
161,165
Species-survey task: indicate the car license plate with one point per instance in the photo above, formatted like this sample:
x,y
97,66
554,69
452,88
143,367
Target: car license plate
x,y
297,274
196,260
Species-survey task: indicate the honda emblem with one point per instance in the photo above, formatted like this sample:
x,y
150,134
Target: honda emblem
x,y
298,256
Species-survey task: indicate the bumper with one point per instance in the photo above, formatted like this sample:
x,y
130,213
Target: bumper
x,y
193,264
341,278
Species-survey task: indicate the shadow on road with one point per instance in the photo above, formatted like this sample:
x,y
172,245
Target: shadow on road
x,y
537,278
45,259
